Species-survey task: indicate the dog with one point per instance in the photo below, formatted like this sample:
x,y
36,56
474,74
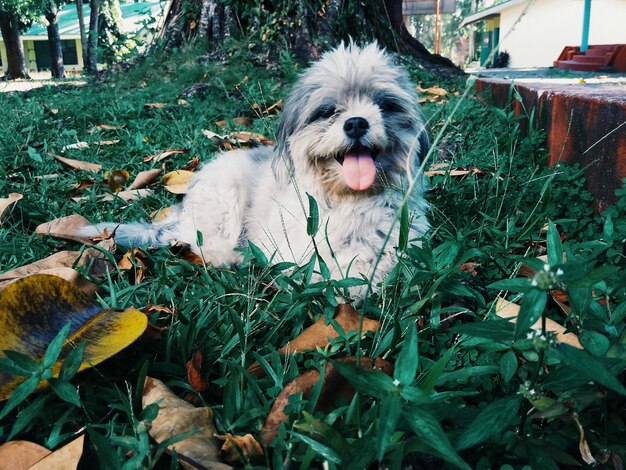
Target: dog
x,y
351,136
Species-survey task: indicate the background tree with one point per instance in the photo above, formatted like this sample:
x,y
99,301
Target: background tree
x,y
81,28
57,68
304,27
91,64
15,16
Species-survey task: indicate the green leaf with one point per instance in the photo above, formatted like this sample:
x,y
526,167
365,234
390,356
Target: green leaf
x,y
72,362
591,367
65,391
518,284
532,307
609,229
508,365
491,420
580,299
499,330
313,220
596,275
466,373
36,156
427,384
388,415
406,365
404,227
318,447
320,430
555,249
26,415
373,383
258,254
21,392
22,361
596,343
426,427
55,346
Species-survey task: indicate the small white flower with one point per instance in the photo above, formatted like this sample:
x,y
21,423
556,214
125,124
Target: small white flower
x,y
396,382
533,282
559,272
546,267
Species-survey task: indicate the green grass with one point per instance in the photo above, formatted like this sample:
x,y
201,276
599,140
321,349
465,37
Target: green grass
x,y
475,383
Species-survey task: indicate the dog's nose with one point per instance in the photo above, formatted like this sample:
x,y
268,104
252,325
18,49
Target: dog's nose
x,y
356,127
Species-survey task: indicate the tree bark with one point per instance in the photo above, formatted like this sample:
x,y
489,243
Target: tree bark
x,y
81,27
92,51
16,62
54,42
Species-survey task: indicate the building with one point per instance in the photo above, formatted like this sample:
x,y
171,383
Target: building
x,y
135,15
534,32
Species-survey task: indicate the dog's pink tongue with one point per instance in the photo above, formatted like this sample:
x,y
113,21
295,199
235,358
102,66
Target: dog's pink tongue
x,y
359,170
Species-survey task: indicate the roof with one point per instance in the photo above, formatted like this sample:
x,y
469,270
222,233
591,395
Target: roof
x,y
134,15
491,11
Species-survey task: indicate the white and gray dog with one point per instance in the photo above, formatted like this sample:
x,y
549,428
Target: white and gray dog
x,y
350,134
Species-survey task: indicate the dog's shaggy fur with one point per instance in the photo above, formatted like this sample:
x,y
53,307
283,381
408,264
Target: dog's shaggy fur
x,y
350,134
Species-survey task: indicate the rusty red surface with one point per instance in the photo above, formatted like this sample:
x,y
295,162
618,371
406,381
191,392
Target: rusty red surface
x,y
583,123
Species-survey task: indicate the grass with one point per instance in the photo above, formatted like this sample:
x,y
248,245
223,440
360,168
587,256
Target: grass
x,y
500,398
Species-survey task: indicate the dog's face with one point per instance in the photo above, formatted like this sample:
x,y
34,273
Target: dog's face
x,y
352,123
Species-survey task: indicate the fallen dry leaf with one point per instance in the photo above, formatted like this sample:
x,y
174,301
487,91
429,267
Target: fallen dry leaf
x,y
69,274
274,108
104,127
57,260
194,374
160,214
334,386
239,449
177,182
65,458
6,202
76,146
144,178
77,164
134,260
157,157
21,455
176,417
107,142
433,90
127,196
154,105
77,188
116,179
243,121
319,334
65,227
510,311
442,171
470,267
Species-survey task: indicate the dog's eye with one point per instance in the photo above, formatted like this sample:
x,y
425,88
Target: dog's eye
x,y
323,112
389,106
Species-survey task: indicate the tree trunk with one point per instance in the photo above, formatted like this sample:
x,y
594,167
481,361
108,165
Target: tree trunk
x,y
92,51
54,41
81,27
16,62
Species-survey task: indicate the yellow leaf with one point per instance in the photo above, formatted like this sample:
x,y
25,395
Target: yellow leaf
x,y
177,182
157,157
8,201
116,179
34,309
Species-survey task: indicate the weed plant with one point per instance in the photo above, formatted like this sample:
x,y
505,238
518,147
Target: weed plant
x,y
470,390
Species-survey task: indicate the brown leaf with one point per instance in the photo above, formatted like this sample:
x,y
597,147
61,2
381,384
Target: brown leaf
x,y
21,455
65,458
63,272
77,164
160,214
470,268
433,90
134,260
154,105
76,146
335,386
107,142
116,179
194,374
274,108
6,202
157,157
510,311
243,121
583,446
245,137
144,178
176,417
177,182
442,169
239,449
319,334
57,260
65,227
82,184
104,127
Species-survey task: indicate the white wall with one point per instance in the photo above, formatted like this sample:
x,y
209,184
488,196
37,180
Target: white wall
x,y
549,25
